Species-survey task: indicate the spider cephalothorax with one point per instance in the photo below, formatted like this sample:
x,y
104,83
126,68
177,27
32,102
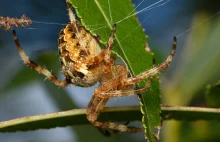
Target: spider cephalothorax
x,y
84,64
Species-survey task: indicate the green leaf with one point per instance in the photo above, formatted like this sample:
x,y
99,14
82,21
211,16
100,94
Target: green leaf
x,y
151,109
212,94
129,44
78,117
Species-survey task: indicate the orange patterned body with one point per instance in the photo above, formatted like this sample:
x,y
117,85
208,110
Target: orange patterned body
x,y
77,49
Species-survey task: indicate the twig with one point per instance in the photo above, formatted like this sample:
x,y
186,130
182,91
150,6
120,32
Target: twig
x,y
78,117
8,23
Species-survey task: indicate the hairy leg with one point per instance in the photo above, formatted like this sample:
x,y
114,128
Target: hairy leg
x,y
110,81
96,105
36,67
155,70
105,54
124,92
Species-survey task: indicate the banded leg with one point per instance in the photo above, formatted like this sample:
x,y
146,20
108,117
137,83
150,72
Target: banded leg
x,y
105,54
155,70
125,92
97,103
112,87
95,106
107,59
36,67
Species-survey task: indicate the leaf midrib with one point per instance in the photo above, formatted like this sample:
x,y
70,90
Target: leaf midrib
x,y
110,26
128,62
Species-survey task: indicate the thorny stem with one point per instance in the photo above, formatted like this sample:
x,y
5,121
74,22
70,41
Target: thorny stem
x,y
7,23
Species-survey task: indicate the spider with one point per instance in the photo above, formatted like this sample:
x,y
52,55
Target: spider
x,y
84,64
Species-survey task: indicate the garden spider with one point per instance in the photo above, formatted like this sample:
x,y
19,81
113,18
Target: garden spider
x,y
84,64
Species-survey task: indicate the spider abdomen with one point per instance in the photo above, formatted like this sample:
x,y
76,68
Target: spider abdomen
x,y
77,48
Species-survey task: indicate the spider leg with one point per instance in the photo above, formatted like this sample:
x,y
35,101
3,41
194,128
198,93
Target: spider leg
x,y
107,60
124,92
105,54
95,106
70,12
155,70
108,132
35,66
